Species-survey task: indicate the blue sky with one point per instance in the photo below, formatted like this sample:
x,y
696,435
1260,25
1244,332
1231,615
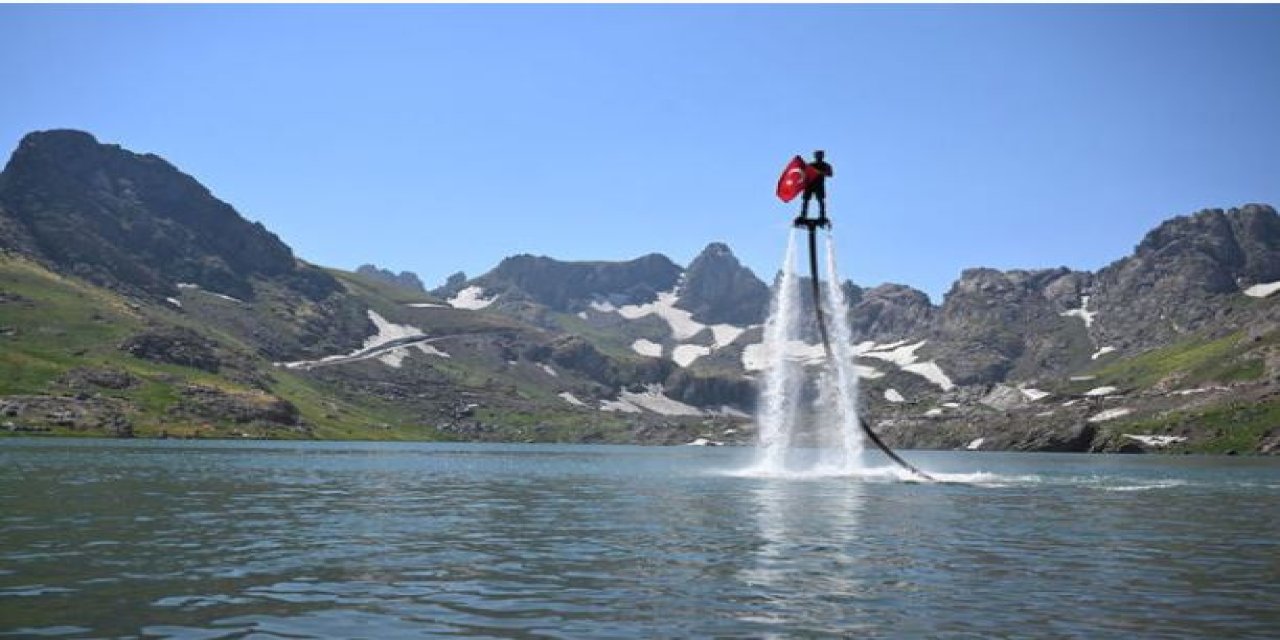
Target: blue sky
x,y
444,138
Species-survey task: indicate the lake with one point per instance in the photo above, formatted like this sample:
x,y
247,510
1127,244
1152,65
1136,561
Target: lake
x,y
193,539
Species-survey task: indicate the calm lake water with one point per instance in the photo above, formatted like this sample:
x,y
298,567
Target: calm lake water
x,y
286,540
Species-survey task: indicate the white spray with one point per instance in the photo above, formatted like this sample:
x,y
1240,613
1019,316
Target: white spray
x,y
849,435
780,395
836,435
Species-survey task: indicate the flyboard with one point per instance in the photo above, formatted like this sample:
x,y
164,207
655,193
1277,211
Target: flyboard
x,y
793,179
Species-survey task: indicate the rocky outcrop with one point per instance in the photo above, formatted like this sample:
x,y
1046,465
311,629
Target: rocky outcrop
x,y
174,345
88,378
407,280
889,312
711,390
240,408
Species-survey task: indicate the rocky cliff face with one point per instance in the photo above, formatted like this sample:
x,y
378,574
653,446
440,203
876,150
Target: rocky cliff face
x,y
889,312
1174,282
996,324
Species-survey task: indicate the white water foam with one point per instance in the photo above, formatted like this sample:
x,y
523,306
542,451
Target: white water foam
x,y
780,395
849,452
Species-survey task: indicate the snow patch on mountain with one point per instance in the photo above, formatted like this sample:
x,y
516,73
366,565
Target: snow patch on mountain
x,y
395,357
897,353
1083,312
685,354
196,287
868,345
1262,290
571,399
549,370
1033,394
1097,392
892,395
647,348
654,400
682,324
904,355
471,298
1111,414
932,372
619,406
1102,352
387,333
725,334
1156,441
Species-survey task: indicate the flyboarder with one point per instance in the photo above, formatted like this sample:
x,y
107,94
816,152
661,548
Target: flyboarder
x,y
811,178
816,173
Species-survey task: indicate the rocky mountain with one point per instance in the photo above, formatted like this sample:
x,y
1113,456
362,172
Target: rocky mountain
x,y
1189,305
137,225
717,289
1181,275
573,286
1000,325
135,222
134,301
405,279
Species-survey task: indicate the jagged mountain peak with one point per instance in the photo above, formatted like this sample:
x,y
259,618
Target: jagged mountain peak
x,y
716,250
719,289
1223,248
405,279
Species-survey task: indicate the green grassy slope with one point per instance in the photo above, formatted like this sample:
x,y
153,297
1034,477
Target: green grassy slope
x,y
62,366
53,327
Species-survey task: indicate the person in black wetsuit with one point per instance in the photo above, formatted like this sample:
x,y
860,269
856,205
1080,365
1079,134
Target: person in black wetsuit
x,y
820,170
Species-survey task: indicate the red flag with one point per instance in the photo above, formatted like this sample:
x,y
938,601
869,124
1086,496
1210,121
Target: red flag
x,y
793,179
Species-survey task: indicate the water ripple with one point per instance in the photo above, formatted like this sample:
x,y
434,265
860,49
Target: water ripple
x,y
214,540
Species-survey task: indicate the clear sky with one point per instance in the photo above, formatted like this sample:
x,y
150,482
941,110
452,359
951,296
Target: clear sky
x,y
444,138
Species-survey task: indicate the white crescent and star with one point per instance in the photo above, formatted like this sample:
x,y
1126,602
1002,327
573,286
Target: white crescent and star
x,y
795,175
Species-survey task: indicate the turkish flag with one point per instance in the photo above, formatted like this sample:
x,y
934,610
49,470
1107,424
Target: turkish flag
x,y
793,179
